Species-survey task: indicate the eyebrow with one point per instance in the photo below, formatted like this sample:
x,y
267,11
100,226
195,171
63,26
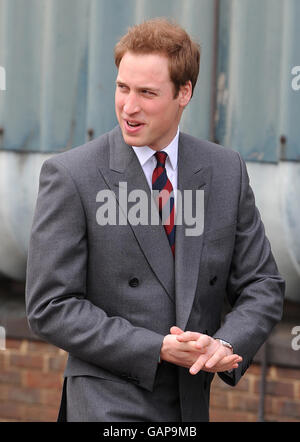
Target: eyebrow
x,y
142,88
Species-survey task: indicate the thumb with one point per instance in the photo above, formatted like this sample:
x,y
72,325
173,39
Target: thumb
x,y
176,330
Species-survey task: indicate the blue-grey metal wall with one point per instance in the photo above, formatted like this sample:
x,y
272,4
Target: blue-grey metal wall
x,y
258,111
58,56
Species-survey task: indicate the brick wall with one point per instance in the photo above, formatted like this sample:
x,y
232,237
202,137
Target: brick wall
x,y
241,403
31,381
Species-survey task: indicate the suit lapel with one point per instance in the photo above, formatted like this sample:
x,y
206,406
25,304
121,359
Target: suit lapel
x,y
194,172
124,167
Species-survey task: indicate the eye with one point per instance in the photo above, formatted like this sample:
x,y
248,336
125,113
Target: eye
x,y
149,93
122,87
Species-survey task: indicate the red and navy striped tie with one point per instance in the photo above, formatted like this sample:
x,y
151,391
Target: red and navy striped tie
x,y
165,197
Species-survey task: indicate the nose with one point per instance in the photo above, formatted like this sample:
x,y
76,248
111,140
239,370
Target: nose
x,y
131,104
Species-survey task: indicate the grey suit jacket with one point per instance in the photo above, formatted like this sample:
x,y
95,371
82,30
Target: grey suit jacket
x,y
109,294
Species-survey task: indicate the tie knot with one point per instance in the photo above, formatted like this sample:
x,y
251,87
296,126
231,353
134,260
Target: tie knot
x,y
161,158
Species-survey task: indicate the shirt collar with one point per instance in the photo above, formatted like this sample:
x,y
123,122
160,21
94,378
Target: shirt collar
x,y
144,153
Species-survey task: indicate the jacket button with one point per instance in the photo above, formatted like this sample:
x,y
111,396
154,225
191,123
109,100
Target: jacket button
x,y
213,280
134,282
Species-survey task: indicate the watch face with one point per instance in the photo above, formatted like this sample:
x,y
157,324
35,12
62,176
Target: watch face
x,y
226,344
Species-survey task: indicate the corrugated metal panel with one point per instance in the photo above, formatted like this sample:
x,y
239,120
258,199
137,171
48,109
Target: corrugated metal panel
x,y
43,48
256,105
276,188
19,111
249,77
290,99
58,57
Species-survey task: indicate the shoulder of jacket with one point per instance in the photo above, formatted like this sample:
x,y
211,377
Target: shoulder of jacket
x,y
214,150
83,156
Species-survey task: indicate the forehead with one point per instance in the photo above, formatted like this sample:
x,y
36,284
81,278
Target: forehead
x,y
144,67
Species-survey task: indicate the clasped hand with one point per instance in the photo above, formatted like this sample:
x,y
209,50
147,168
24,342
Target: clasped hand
x,y
197,351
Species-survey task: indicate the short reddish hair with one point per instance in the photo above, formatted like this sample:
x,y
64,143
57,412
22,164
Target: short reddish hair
x,y
161,36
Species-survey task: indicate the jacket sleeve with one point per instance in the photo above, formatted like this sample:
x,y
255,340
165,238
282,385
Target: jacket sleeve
x,y
255,289
57,307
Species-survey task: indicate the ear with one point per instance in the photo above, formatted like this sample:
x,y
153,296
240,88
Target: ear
x,y
185,93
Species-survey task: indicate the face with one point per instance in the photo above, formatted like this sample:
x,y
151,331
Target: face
x,y
147,111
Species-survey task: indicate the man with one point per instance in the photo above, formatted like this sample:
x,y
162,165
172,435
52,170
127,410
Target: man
x,y
138,305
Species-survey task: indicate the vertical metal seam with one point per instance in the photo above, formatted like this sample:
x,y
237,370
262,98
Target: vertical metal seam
x,y
213,99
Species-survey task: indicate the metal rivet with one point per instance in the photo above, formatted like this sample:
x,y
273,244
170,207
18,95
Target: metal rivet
x,y
90,133
283,139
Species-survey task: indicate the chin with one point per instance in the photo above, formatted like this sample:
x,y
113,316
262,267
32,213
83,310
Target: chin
x,y
133,141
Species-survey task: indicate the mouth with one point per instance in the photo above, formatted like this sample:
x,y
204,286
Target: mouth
x,y
133,126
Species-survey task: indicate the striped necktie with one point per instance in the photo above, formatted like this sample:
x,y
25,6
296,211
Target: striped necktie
x,y
164,197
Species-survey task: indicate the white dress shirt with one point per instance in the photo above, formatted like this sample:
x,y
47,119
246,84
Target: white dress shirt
x,y
148,162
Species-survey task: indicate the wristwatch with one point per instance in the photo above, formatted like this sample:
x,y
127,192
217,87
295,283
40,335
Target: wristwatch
x,y
225,343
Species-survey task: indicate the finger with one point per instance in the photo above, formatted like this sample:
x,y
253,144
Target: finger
x,y
176,330
223,367
217,369
188,336
231,359
218,359
203,341
219,362
198,365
